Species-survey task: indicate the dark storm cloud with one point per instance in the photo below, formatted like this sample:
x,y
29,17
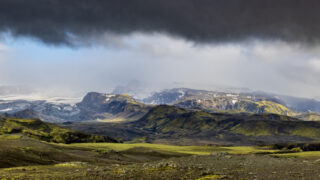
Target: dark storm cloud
x,y
58,21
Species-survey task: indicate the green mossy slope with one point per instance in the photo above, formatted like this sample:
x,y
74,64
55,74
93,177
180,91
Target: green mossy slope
x,y
40,130
173,120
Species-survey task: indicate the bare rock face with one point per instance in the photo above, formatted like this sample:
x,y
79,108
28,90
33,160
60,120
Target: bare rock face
x,y
94,101
103,106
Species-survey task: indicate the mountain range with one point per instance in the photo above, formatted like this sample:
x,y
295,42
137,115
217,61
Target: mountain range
x,y
181,116
228,102
120,107
176,95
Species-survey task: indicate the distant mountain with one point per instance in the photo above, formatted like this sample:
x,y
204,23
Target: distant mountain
x,y
171,96
252,102
94,106
220,101
234,105
47,132
47,111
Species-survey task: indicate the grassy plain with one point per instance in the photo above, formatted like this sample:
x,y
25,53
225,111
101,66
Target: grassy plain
x,y
22,157
191,150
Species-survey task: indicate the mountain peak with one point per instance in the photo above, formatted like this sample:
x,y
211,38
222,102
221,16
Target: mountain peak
x,y
98,101
111,106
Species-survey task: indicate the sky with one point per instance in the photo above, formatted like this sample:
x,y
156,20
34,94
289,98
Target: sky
x,y
67,48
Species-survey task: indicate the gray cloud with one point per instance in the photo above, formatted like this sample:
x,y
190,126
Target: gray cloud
x,y
62,21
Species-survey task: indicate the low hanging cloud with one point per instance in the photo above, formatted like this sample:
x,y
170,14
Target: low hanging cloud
x,y
65,21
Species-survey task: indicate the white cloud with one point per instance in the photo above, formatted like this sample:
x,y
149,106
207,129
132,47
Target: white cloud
x,y
314,65
160,61
3,51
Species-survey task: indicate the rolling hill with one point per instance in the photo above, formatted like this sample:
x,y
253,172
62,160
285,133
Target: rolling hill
x,y
174,125
40,130
173,120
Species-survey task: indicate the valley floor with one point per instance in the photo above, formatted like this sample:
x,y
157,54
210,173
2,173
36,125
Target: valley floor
x,y
26,158
218,166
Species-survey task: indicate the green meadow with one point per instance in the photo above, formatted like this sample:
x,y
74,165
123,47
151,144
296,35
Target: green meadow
x,y
190,150
22,157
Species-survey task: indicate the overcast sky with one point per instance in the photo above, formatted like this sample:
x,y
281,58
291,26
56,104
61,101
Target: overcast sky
x,y
99,45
